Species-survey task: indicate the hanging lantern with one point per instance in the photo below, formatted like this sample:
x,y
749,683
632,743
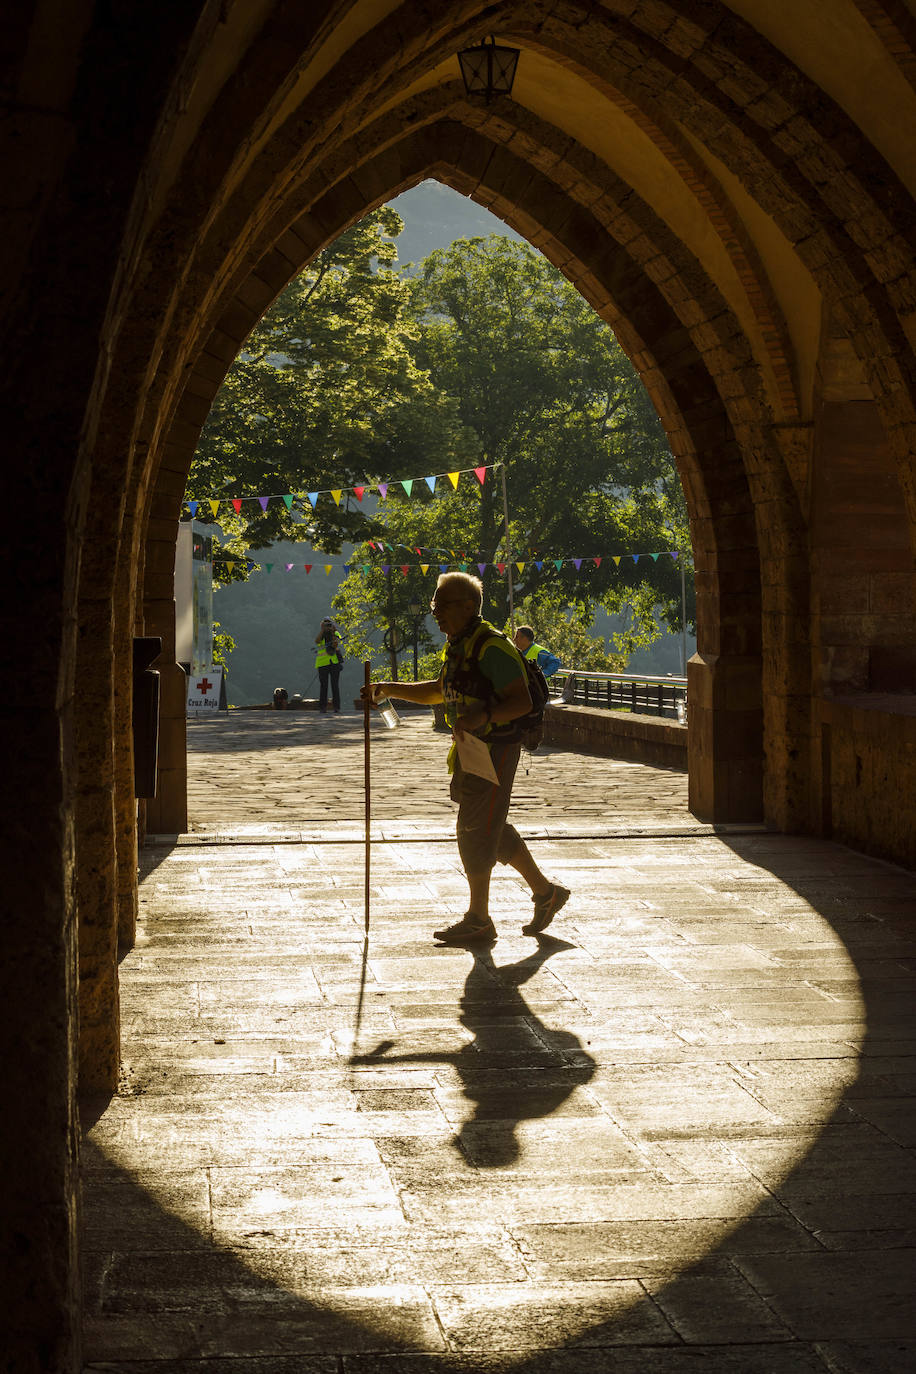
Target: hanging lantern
x,y
488,70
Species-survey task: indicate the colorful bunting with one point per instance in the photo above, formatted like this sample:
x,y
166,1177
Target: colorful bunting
x,y
262,502
405,568
480,474
360,491
431,483
383,489
453,478
336,495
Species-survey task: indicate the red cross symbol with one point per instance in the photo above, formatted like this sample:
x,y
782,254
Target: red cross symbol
x,y
205,686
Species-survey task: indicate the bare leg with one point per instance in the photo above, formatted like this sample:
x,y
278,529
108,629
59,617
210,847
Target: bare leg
x,y
479,884
523,863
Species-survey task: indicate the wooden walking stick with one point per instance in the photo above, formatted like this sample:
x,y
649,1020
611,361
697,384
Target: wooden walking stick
x,y
367,707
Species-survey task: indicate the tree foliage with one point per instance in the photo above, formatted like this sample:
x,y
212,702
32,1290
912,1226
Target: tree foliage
x,y
486,356
325,393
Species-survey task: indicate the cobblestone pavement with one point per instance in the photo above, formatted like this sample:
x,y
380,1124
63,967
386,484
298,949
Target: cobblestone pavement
x,y
257,769
674,1134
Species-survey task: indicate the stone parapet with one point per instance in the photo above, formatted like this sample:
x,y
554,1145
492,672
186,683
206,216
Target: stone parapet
x,y
617,735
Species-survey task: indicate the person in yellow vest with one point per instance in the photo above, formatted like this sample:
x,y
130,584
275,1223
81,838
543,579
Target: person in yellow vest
x,y
328,662
485,689
524,642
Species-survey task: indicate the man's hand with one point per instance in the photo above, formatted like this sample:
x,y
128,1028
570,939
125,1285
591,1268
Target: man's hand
x,y
471,722
375,691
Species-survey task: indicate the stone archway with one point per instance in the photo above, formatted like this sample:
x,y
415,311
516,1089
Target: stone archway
x,y
705,326
730,182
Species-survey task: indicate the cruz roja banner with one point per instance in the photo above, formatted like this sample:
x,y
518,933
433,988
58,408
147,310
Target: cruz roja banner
x,y
203,691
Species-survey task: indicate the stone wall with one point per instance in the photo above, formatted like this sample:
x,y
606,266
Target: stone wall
x,y
868,774
617,735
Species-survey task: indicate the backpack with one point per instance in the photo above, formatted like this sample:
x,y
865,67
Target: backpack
x,y
529,728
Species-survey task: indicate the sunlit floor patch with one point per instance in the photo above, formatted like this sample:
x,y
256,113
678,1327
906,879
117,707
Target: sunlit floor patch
x,y
637,1132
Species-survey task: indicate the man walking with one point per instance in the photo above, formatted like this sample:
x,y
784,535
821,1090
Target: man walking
x,y
485,689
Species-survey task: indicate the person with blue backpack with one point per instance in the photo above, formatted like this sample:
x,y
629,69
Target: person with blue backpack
x,y
485,687
524,642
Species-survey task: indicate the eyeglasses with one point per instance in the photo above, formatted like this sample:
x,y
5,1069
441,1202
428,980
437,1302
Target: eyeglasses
x,y
435,605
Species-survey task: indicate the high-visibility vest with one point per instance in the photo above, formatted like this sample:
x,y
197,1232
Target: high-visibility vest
x,y
548,664
323,658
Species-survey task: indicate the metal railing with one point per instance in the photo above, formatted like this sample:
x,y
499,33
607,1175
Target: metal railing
x,y
642,693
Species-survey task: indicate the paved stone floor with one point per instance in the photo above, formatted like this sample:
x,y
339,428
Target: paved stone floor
x,y
675,1134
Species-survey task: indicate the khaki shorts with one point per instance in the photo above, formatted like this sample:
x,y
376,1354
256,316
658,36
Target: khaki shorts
x,y
484,835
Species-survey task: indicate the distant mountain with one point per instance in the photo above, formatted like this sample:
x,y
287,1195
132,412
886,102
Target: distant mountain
x,y
434,216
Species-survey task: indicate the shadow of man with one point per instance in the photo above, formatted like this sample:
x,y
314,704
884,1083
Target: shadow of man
x,y
515,1068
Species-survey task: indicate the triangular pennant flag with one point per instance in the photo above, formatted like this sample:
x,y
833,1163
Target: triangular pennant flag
x,y
480,474
250,564
520,566
616,557
383,489
347,567
655,558
337,495
404,569
453,478
288,501
230,567
214,506
462,567
327,569
313,497
481,568
673,553
262,501
308,567
359,492
443,567
192,507
431,483
289,567
386,568
237,504
558,563
539,566
269,566
502,568
407,484
635,557
577,563
598,561
424,568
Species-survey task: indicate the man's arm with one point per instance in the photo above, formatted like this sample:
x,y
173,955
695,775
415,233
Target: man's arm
x,y
513,701
423,693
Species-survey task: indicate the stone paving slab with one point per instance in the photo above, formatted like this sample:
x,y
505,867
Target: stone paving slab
x,y
675,1133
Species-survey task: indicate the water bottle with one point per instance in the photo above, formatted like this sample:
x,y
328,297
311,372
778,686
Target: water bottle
x,y
389,715
385,708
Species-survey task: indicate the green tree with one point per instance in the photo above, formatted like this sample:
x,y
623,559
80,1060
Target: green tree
x,y
541,387
326,394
